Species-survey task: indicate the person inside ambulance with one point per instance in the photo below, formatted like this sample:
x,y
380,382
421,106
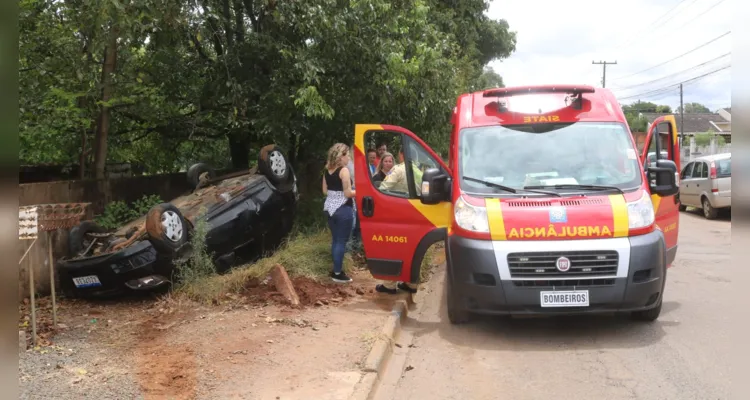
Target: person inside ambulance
x,y
396,181
384,168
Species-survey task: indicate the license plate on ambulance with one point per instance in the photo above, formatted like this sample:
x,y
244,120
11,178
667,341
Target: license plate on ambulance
x,y
565,298
87,281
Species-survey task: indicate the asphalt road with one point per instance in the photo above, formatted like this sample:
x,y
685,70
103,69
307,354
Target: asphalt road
x,y
683,355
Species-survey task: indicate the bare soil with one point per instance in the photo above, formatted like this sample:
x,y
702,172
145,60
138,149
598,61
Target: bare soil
x,y
252,346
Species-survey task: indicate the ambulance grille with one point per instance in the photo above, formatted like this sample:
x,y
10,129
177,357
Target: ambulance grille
x,y
564,203
582,263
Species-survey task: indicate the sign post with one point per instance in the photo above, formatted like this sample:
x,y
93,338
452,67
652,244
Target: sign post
x,y
47,218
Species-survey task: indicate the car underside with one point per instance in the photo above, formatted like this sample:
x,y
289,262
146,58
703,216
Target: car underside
x,y
246,212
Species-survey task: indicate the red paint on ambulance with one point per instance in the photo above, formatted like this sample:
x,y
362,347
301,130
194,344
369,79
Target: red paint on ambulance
x,y
545,206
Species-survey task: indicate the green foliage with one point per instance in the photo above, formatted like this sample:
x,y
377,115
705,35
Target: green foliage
x,y
118,213
199,264
646,106
189,76
693,108
704,139
636,123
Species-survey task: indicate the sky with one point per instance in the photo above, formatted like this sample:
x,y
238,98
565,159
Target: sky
x,y
558,40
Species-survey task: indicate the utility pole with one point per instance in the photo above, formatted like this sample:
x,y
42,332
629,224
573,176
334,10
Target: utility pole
x,y
604,70
682,116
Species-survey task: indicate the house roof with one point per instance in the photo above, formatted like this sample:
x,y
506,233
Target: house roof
x,y
694,122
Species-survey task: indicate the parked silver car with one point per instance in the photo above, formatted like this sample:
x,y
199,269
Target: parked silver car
x,y
706,183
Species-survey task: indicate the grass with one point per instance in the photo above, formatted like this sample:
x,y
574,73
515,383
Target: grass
x,y
434,257
306,254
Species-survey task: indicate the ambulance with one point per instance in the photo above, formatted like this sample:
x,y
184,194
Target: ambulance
x,y
545,205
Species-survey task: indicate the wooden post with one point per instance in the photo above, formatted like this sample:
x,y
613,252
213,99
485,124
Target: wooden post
x,y
52,278
33,304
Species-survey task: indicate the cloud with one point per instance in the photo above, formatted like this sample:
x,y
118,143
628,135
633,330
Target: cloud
x,y
558,40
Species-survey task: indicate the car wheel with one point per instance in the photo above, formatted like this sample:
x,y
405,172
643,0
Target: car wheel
x,y
682,207
708,210
272,163
166,227
648,315
196,170
456,315
79,240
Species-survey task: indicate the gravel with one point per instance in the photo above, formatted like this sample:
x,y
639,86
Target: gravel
x,y
74,368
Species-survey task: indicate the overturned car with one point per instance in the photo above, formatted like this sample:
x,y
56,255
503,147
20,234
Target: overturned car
x,y
246,210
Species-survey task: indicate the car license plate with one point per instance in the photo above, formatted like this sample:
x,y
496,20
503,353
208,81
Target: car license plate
x,y
565,298
87,281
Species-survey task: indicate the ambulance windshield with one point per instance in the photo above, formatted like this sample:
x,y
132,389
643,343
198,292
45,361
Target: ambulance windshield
x,y
583,153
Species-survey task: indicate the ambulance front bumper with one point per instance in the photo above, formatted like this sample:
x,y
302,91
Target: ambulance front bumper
x,y
512,277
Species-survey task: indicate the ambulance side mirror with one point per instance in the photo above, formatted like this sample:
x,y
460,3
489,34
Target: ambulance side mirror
x,y
662,176
435,186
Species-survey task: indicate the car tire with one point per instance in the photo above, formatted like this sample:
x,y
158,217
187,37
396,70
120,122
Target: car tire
x,y
77,237
708,210
649,315
196,170
166,227
456,314
682,207
273,163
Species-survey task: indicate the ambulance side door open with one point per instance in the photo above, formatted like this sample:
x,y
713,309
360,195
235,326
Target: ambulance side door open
x,y
664,190
397,227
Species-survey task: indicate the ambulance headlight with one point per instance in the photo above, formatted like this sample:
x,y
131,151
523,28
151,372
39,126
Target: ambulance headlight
x,y
641,212
469,217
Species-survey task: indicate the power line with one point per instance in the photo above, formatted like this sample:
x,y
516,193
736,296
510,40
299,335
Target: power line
x,y
701,14
668,88
674,74
657,20
672,59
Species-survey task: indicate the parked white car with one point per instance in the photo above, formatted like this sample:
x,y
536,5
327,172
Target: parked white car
x,y
706,183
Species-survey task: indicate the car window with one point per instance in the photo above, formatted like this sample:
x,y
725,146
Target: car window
x,y
687,171
724,168
704,170
697,170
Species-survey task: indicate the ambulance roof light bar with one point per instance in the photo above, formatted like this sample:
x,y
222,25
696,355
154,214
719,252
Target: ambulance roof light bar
x,y
574,93
514,91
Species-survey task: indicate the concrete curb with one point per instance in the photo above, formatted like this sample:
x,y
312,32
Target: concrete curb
x,y
381,351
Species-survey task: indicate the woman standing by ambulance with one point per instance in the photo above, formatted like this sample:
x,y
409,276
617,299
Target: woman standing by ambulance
x,y
339,205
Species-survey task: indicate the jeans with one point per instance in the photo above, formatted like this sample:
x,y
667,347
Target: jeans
x,y
356,232
341,228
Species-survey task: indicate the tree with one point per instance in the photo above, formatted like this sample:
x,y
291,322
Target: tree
x,y
640,107
694,108
488,80
169,83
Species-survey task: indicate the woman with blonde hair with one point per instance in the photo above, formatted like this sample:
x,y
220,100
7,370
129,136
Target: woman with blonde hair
x,y
385,166
339,203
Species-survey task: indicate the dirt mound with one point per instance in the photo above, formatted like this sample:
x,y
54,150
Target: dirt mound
x,y
310,292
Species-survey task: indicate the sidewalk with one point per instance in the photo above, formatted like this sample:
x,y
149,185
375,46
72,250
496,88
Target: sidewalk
x,y
239,350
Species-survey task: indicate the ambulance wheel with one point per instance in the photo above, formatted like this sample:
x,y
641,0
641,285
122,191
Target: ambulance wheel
x,y
648,315
456,315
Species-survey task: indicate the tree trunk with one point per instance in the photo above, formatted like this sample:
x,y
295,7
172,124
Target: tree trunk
x,y
102,131
292,151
